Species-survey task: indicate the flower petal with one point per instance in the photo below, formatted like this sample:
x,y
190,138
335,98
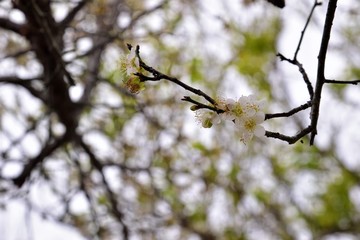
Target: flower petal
x,y
259,131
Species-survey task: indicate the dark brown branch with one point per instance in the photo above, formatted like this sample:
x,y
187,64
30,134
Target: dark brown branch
x,y
16,80
316,3
143,14
157,76
17,54
301,70
289,139
83,187
200,105
330,14
289,113
47,24
25,83
278,3
294,61
11,26
46,151
72,14
112,197
354,82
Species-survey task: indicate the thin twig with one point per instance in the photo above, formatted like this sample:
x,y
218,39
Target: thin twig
x,y
25,83
289,139
112,197
17,54
354,82
72,14
301,70
157,76
289,113
200,105
45,152
316,3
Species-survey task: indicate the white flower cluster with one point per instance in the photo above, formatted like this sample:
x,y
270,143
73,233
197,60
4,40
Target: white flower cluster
x,y
247,114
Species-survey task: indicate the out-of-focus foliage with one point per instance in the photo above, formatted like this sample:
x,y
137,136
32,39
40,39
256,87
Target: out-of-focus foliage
x,y
145,168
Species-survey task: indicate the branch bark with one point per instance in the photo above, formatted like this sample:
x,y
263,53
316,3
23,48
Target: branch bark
x,y
25,83
46,151
95,162
315,109
11,26
72,14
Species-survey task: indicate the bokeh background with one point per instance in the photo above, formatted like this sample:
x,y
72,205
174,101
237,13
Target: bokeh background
x,y
139,166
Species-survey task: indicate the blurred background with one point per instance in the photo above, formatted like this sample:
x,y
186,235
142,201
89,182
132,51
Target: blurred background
x,y
92,161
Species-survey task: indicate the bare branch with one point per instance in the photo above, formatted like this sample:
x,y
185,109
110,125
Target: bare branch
x,y
294,61
157,76
84,188
47,24
25,83
72,14
46,151
301,70
278,3
17,54
200,105
11,26
330,14
289,113
289,139
316,3
16,80
354,82
143,14
112,197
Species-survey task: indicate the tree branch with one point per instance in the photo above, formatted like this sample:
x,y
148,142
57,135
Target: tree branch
x,y
72,14
289,139
200,105
315,109
316,3
16,54
46,151
301,70
354,82
25,83
157,76
112,197
11,26
40,16
289,113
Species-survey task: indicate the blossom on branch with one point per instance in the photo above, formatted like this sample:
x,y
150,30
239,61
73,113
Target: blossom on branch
x,y
250,126
129,66
246,113
207,118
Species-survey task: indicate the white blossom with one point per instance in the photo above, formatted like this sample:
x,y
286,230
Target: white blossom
x,y
207,118
246,113
250,126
